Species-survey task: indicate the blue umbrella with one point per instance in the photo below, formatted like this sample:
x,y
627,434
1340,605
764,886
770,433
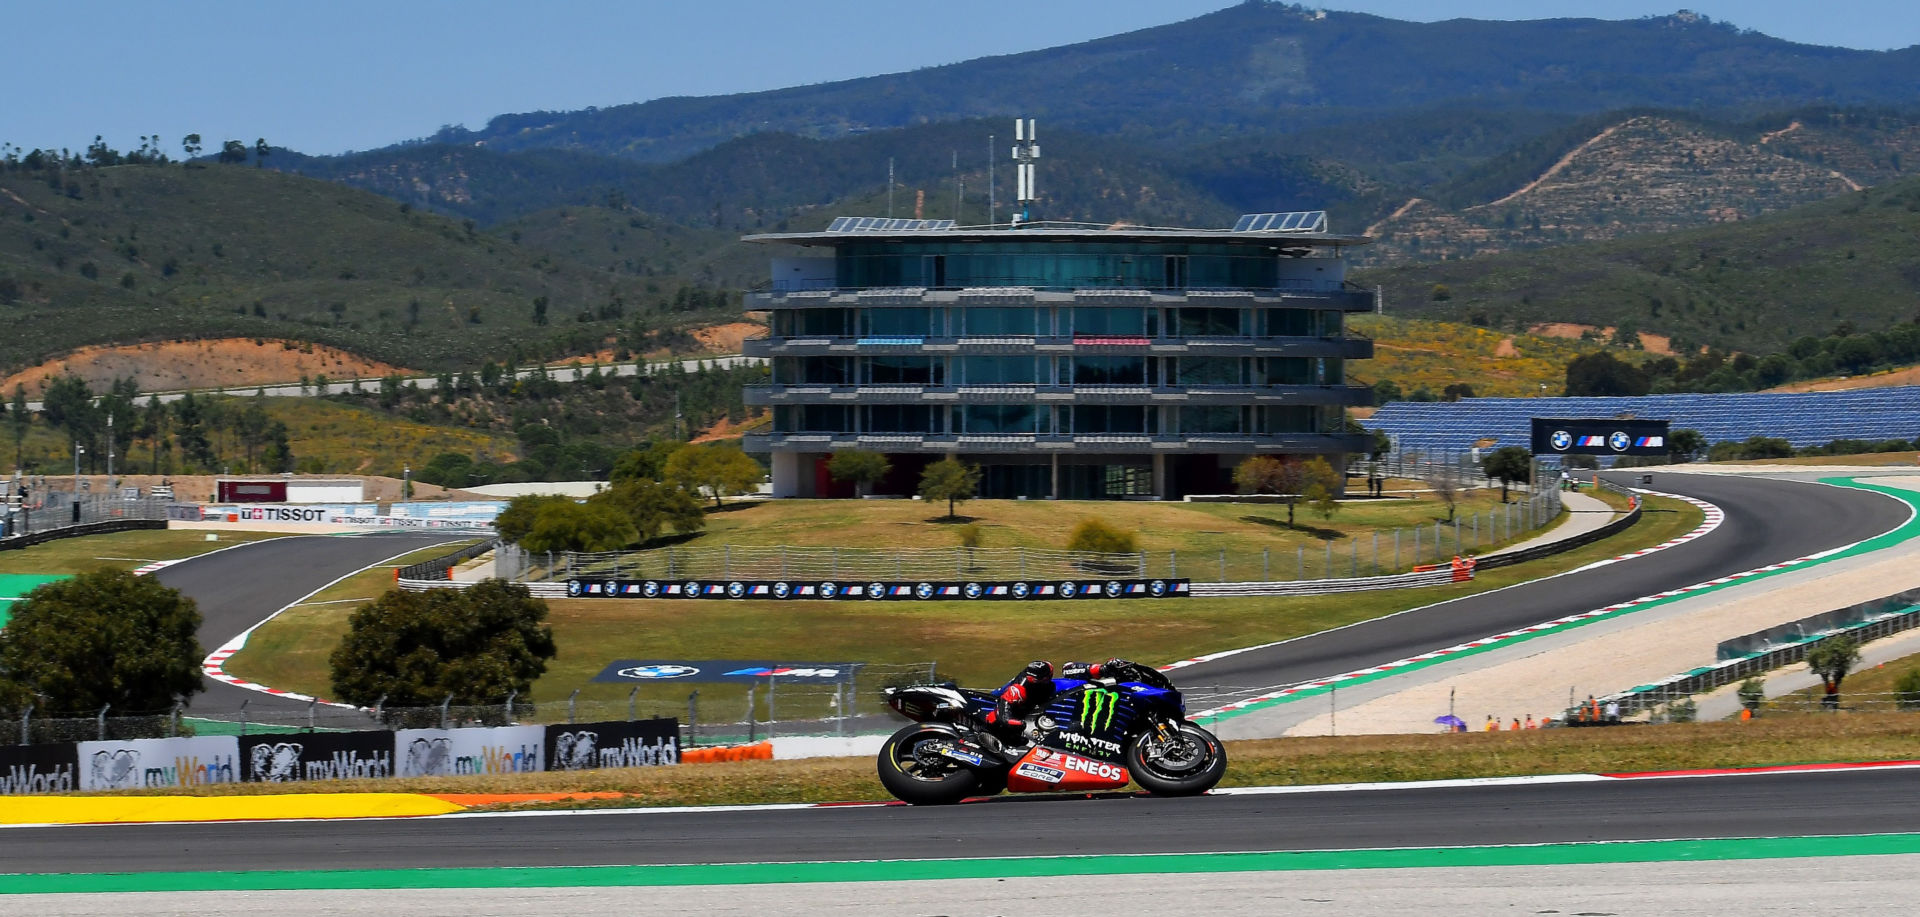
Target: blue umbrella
x,y
1452,722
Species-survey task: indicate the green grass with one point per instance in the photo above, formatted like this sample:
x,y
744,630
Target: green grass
x,y
119,550
973,642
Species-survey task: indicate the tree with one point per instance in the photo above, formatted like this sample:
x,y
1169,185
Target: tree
x,y
1456,391
1098,536
653,508
1686,444
105,637
1753,692
720,469
233,152
860,466
1443,480
1603,374
261,151
192,147
1508,465
1832,659
951,480
570,526
414,649
1312,479
516,520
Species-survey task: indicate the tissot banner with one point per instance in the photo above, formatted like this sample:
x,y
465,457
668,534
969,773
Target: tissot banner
x,y
1599,436
284,757
38,769
585,746
897,590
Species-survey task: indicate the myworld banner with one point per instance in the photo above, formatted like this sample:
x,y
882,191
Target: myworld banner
x,y
38,769
472,750
130,764
291,756
586,746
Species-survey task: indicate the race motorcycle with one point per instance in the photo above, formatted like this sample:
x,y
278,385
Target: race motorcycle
x,y
1093,735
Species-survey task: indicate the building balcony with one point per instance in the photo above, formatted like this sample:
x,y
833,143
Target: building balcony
x,y
1196,394
1346,348
1305,295
1102,443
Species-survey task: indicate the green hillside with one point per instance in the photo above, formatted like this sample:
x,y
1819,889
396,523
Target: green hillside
x,y
1754,285
149,252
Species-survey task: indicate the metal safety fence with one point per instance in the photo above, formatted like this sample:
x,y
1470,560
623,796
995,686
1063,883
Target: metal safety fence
x,y
57,513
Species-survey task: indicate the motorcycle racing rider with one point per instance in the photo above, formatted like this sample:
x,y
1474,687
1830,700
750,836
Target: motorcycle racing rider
x,y
1033,687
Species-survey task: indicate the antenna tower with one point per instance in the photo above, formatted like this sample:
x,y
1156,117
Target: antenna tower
x,y
1026,149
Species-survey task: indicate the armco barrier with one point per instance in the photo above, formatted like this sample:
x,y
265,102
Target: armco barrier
x,y
553,590
1890,615
85,528
442,567
1434,577
1551,548
125,764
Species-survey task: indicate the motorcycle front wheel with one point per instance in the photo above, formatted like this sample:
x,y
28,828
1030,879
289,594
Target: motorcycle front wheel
x,y
1186,762
916,773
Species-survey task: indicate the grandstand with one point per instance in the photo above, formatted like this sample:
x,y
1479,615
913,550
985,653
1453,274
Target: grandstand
x,y
1803,419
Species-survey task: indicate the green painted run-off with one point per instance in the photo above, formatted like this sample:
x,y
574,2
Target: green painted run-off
x,y
15,586
1764,848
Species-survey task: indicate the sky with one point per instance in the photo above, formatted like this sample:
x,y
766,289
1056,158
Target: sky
x,y
357,74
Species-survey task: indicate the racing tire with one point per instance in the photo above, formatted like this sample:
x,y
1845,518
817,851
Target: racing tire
x,y
920,779
1188,770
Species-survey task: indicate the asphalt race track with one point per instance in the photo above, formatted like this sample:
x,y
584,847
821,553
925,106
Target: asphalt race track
x,y
1767,521
239,587
1759,805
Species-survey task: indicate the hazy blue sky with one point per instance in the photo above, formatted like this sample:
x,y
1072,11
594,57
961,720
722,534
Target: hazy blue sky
x,y
354,74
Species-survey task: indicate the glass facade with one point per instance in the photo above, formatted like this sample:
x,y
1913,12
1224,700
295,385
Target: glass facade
x,y
1054,264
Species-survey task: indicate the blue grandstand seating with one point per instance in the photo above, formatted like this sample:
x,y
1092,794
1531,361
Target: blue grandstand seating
x,y
1803,419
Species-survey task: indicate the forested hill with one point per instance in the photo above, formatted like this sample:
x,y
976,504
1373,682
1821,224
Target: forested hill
x,y
160,251
1754,285
1266,67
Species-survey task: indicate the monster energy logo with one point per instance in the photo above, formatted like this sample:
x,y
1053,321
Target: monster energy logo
x,y
1096,704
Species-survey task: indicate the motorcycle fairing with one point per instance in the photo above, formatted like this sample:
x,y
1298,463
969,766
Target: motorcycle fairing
x,y
1043,769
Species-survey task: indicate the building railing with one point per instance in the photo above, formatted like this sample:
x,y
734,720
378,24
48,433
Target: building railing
x,y
1111,442
1091,393
1348,345
805,294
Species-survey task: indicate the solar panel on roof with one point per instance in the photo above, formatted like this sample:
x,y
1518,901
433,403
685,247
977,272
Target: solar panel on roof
x,y
1294,221
886,224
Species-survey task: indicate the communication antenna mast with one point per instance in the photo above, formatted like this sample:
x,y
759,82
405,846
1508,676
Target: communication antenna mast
x,y
1026,149
993,207
889,187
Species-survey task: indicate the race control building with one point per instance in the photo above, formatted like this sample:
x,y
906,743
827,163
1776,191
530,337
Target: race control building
x,y
1066,360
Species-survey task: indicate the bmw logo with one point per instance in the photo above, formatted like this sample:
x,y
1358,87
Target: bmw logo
x,y
1115,590
573,587
828,590
923,591
972,590
1561,440
659,671
736,590
691,589
650,589
876,590
1157,588
1068,590
1618,441
782,590
1020,590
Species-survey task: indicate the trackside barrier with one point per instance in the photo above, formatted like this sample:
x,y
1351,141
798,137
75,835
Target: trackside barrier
x,y
442,567
1872,620
1583,539
1434,576
553,590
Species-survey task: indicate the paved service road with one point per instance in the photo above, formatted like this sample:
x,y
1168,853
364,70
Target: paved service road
x,y
239,587
1767,521
1816,803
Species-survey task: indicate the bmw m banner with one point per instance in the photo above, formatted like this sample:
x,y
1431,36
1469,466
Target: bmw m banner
x,y
1599,436
923,591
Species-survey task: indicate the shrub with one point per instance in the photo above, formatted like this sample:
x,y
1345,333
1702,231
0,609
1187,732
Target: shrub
x,y
1906,691
970,535
1099,537
1753,692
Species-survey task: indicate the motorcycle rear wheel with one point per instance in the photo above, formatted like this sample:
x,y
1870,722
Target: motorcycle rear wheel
x,y
921,777
1188,765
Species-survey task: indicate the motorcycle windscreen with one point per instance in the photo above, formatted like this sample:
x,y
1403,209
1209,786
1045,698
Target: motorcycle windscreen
x,y
1043,769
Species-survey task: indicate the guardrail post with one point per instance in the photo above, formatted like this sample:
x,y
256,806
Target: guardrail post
x,y
1376,552
26,716
100,720
173,717
444,704
571,698
1327,571
1353,546
1223,565
513,694
312,708
1266,564
1299,562
632,698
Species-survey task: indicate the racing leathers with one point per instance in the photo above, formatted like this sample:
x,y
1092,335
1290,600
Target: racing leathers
x,y
1033,687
